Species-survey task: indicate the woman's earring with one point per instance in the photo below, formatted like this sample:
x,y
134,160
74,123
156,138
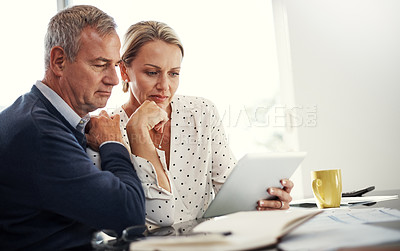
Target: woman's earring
x,y
125,85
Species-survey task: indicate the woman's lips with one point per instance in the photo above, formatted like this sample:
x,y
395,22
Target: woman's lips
x,y
158,98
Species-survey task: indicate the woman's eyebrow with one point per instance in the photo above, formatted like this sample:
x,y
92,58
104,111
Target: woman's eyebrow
x,y
152,65
158,67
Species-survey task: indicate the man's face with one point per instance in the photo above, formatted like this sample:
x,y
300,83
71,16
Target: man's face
x,y
88,80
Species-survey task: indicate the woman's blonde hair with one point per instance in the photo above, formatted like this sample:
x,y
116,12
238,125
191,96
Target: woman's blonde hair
x,y
141,33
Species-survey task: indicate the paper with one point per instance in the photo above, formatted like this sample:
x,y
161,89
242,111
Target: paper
x,y
347,201
334,238
182,242
343,227
340,216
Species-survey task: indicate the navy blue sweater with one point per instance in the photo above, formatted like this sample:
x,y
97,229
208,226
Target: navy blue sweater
x,y
52,197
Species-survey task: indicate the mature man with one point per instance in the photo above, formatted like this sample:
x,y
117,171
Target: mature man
x,y
52,196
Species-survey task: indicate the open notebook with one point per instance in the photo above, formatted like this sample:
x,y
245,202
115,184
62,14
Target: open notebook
x,y
237,231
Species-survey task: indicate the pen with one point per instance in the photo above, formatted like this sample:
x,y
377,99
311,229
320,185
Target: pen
x,y
205,233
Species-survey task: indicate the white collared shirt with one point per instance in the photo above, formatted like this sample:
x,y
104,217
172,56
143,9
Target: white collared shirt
x,y
66,111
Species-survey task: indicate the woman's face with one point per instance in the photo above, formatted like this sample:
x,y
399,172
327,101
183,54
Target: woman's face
x,y
154,74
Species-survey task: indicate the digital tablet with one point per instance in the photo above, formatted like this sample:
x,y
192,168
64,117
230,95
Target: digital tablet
x,y
250,179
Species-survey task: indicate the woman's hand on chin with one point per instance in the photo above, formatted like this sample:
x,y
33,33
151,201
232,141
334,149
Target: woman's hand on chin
x,y
148,116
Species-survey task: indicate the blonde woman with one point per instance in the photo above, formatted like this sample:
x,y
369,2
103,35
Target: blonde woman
x,y
179,147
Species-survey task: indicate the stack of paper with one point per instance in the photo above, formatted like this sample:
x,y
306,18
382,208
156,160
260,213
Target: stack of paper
x,y
348,201
343,227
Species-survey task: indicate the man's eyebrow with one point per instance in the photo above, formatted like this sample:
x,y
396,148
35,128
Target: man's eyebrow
x,y
105,60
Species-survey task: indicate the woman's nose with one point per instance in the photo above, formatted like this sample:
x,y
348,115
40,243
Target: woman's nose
x,y
163,82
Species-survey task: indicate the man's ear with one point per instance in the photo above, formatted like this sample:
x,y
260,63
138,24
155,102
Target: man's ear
x,y
124,74
57,60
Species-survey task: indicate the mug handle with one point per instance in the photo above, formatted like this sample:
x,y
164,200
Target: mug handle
x,y
315,184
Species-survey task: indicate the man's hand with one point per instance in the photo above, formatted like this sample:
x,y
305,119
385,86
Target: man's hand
x,y
103,128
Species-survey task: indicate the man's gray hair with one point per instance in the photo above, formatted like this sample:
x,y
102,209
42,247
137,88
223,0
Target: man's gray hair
x,y
66,26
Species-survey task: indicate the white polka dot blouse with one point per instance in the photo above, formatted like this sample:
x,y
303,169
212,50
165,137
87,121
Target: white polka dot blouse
x,y
200,161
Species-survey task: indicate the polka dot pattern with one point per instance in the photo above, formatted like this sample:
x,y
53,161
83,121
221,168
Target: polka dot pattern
x,y
200,161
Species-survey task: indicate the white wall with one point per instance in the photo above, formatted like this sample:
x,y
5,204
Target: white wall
x,y
345,60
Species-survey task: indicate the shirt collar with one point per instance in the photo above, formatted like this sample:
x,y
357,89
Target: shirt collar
x,y
66,111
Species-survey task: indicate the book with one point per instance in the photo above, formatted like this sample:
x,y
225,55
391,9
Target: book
x,y
237,231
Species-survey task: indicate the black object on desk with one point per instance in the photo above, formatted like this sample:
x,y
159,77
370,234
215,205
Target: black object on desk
x,y
358,193
99,243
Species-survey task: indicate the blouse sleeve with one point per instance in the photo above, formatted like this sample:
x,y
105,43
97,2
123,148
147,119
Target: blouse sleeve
x,y
160,205
223,159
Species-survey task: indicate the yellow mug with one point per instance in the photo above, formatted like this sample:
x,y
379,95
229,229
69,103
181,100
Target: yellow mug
x,y
327,187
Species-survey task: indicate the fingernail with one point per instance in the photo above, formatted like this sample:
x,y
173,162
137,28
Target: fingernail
x,y
261,203
271,190
284,182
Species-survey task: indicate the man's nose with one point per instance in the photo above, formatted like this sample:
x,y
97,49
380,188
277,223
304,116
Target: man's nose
x,y
111,77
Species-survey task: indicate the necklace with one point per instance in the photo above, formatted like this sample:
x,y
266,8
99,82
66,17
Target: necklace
x,y
162,137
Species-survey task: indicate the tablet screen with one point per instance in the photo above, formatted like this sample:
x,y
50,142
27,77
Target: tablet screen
x,y
250,179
